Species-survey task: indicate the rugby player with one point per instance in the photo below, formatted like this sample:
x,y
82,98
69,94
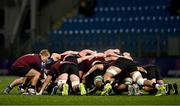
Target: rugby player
x,y
29,66
60,72
152,72
125,64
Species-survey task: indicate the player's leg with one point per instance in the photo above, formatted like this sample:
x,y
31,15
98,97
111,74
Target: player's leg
x,y
175,88
97,81
137,77
35,76
22,87
61,82
150,90
76,85
127,86
62,79
27,72
110,72
75,80
16,82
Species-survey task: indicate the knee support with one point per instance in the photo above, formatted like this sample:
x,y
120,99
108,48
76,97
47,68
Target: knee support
x,y
128,81
112,71
137,77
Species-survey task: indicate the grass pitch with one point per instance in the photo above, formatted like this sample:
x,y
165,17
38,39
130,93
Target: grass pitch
x,y
15,99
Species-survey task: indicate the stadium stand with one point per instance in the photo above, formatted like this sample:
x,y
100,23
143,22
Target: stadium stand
x,y
119,24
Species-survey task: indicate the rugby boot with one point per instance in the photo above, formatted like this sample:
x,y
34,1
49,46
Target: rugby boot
x,y
107,89
21,90
82,89
136,90
65,89
174,88
168,88
32,91
7,90
130,90
161,90
54,90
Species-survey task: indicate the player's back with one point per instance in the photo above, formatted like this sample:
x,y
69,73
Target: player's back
x,y
29,60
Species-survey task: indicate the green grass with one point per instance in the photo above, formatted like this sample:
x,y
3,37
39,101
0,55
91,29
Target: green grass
x,y
14,99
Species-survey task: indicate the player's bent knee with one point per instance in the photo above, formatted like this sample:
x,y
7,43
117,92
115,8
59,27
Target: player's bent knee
x,y
128,81
140,81
136,75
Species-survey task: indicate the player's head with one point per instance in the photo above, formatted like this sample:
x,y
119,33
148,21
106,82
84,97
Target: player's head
x,y
127,55
45,54
117,51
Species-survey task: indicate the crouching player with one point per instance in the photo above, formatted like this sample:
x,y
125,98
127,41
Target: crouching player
x,y
152,72
94,77
125,64
61,71
29,67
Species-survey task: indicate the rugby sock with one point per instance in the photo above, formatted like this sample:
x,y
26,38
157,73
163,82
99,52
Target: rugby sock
x,y
168,88
175,90
155,85
24,86
10,86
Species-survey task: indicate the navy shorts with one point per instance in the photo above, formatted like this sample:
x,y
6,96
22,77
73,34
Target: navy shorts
x,y
125,65
20,71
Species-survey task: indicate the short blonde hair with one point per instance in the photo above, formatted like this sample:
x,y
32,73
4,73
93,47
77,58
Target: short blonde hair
x,y
44,52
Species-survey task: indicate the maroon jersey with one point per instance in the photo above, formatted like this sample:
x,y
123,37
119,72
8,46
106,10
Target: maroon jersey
x,y
69,57
87,64
55,68
93,61
62,57
29,61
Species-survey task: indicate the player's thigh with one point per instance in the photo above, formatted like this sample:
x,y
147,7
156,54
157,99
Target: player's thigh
x,y
32,72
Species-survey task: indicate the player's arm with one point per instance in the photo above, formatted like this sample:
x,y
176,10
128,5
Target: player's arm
x,y
141,69
111,58
81,59
46,82
86,51
95,67
56,56
127,55
69,52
